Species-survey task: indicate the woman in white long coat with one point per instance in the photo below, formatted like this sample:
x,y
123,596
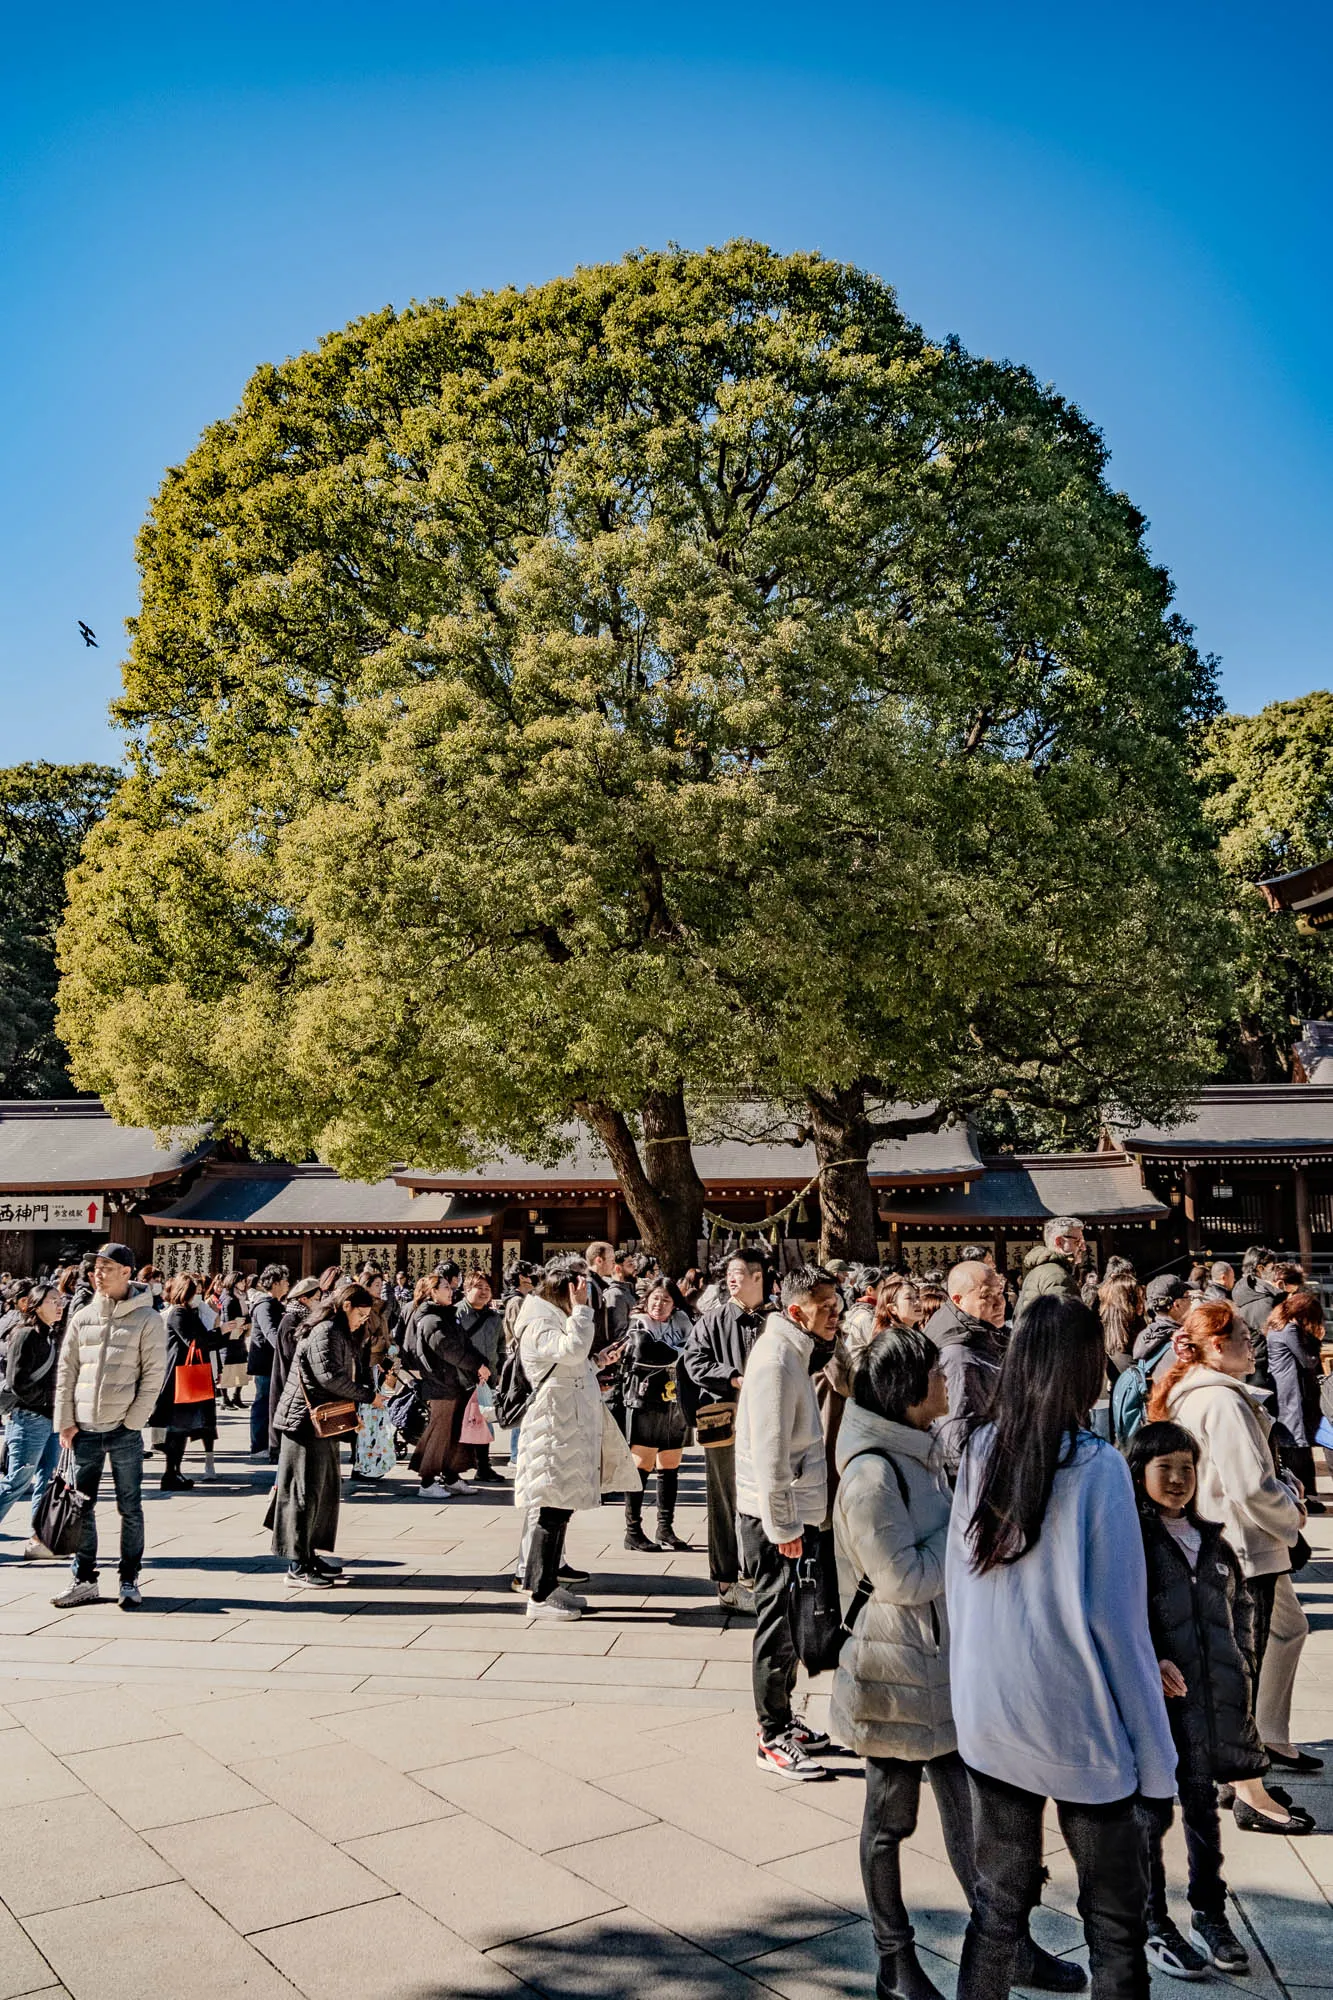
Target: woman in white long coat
x,y
560,1456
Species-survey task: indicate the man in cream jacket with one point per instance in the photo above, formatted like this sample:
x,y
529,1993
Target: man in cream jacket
x,y
112,1366
781,1490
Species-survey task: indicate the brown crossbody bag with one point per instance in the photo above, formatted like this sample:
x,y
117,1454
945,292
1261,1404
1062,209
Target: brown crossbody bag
x,y
331,1420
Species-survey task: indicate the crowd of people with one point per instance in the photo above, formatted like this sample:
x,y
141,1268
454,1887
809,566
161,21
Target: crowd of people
x,y
1106,1480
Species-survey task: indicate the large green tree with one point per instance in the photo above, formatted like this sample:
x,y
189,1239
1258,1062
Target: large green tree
x,y
45,813
1267,782
677,682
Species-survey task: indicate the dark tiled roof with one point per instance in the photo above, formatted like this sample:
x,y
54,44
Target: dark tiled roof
x,y
1234,1119
315,1198
72,1145
726,1166
1097,1187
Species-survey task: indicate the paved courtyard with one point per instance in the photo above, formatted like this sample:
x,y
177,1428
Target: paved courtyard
x,y
402,1790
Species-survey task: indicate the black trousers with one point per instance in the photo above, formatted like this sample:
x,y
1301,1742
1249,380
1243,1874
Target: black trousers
x,y
545,1551
773,1661
720,1487
1203,1849
893,1797
1106,1845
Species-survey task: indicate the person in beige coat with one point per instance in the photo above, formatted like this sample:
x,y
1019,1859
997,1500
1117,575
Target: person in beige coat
x,y
1240,1485
112,1366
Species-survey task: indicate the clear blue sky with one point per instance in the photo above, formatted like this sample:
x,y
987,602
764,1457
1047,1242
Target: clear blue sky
x,y
1133,200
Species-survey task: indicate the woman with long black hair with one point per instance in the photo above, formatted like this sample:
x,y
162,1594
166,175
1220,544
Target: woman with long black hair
x,y
1056,1689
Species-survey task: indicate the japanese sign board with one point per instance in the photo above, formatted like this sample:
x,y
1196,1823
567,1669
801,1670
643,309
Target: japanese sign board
x,y
52,1211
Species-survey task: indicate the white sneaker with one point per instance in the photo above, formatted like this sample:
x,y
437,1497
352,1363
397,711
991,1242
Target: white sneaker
x,y
210,1469
435,1491
561,1607
37,1552
78,1593
131,1597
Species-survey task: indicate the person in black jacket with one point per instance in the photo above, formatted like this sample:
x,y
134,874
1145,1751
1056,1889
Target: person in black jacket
x,y
1265,1291
658,1432
482,1326
968,1332
303,1512
1202,1624
449,1369
297,1307
180,1421
32,1449
265,1319
712,1364
1294,1333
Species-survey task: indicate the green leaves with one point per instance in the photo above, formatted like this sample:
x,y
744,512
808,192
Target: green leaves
x,y
678,681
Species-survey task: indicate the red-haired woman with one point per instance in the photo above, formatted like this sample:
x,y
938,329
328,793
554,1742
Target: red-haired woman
x,y
1240,1483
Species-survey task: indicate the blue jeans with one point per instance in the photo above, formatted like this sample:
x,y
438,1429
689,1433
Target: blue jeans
x,y
34,1451
125,1450
259,1415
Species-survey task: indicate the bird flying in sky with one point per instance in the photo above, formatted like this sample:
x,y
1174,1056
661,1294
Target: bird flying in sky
x,y
89,636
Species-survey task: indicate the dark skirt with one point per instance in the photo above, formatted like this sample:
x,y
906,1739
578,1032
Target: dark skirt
x,y
439,1453
303,1512
659,1427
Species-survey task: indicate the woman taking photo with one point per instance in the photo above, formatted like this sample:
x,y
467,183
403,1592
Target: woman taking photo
x,y
303,1512
891,1690
1242,1486
180,1421
560,1444
658,1433
1056,1689
32,1448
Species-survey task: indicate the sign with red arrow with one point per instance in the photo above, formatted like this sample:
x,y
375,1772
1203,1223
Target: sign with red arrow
x,y
66,1212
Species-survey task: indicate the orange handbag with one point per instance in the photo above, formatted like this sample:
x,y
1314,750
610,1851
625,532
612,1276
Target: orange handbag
x,y
194,1378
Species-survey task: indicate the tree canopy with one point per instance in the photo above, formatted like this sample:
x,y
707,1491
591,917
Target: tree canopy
x,y
679,682
45,813
1267,781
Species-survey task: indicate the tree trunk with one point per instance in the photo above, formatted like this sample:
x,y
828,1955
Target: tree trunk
x,y
1256,1051
660,1183
841,1129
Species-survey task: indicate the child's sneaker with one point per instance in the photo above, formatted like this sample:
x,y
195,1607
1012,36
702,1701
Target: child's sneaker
x,y
1169,1952
1218,1943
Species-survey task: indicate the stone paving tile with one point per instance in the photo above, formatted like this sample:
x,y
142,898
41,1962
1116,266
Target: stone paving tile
x,y
588,1742
155,1784
263,1867
51,1649
236,1729
30,1774
702,1797
588,1637
298,1629
671,1643
515,1794
728,1906
342,1795
23,1970
73,1850
164,1942
355,1660
840,1965
833,1872
27,1615
208,1657
484,1886
384,1951
91,1721
416,1734
550,1669
614,1957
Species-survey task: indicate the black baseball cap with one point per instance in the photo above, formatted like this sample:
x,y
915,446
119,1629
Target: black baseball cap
x,y
1164,1291
116,1253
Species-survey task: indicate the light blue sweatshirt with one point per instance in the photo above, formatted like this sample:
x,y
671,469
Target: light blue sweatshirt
x,y
1055,1683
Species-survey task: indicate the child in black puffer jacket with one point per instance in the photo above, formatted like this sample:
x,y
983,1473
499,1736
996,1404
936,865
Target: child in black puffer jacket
x,y
1202,1623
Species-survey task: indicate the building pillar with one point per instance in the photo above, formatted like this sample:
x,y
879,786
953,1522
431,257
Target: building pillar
x,y
1304,1227
497,1250
309,1269
1193,1227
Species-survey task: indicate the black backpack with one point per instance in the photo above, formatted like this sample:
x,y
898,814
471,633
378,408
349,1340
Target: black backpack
x,y
513,1391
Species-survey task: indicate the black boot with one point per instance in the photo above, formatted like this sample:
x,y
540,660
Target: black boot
x,y
634,1535
1035,1967
901,1977
667,1485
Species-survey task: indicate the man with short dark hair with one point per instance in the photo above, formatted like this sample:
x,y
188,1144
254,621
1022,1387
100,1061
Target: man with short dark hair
x,y
265,1319
113,1362
713,1362
781,1491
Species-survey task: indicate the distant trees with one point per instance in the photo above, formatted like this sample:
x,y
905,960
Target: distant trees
x,y
45,813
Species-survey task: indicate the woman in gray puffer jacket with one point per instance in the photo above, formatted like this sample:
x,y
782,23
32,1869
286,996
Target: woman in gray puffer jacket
x,y
891,1701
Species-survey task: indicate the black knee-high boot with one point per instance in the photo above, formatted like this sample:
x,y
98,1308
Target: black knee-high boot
x,y
668,1483
173,1450
634,1535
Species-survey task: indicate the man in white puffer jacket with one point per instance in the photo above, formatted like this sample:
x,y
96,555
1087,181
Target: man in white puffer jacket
x,y
113,1363
781,1490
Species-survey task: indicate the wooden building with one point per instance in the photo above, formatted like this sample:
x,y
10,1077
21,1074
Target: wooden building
x,y
1249,1163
